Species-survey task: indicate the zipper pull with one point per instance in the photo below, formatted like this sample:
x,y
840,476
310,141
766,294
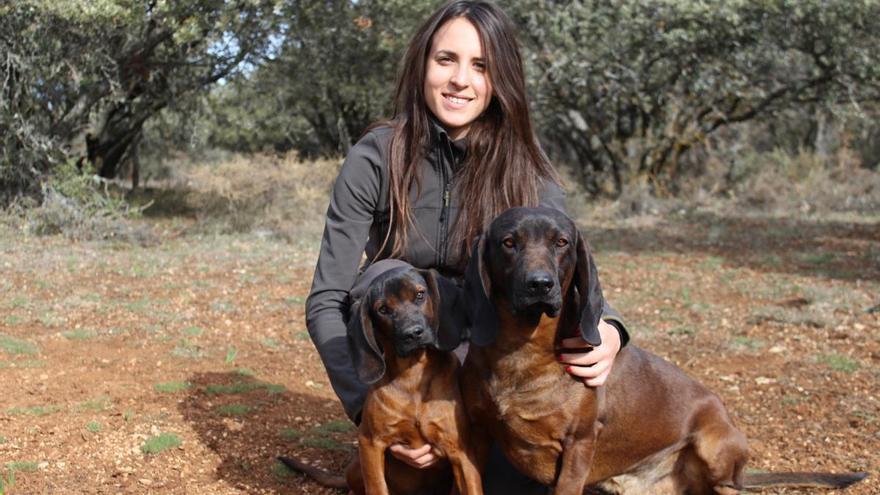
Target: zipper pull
x,y
446,197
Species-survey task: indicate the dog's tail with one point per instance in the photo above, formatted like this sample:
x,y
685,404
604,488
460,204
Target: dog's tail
x,y
324,478
758,481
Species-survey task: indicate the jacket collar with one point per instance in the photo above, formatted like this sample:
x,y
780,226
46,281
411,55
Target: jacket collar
x,y
440,140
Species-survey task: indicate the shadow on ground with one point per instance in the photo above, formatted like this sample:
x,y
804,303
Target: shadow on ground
x,y
827,249
247,423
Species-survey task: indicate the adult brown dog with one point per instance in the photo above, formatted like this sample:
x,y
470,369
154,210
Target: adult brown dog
x,y
400,339
650,429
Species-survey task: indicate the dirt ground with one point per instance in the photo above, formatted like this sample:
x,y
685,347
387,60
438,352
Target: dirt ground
x,y
201,342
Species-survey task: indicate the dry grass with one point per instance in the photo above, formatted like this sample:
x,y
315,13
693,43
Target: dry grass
x,y
285,197
264,194
774,184
804,183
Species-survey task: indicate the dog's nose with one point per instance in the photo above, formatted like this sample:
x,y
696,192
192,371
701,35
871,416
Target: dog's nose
x,y
539,283
414,333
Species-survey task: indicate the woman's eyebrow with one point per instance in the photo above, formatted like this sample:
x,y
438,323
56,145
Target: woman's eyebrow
x,y
447,53
452,54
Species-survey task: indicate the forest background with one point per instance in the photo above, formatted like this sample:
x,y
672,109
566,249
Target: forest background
x,y
165,167
687,99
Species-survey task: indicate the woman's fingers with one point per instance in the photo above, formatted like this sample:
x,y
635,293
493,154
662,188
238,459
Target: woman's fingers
x,y
420,457
591,364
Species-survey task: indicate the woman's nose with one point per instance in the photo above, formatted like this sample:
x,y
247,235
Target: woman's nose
x,y
461,77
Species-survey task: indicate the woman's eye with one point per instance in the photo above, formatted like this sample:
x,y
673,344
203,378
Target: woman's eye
x,y
562,242
480,67
508,243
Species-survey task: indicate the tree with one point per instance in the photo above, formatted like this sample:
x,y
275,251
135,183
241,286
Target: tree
x,y
330,77
80,72
627,88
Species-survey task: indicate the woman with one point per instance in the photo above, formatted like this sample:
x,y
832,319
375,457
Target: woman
x,y
419,188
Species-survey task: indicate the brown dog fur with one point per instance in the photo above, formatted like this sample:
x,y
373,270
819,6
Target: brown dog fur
x,y
414,397
650,429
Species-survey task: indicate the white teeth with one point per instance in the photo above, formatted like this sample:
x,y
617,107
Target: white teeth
x,y
457,101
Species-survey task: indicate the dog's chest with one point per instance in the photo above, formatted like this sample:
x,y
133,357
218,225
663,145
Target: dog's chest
x,y
408,416
534,413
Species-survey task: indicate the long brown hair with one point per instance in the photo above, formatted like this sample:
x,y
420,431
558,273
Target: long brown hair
x,y
505,164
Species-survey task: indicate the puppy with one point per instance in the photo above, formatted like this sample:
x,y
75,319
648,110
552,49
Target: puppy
x,y
400,336
650,429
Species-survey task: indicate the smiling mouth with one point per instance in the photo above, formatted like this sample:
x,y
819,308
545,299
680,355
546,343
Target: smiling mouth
x,y
456,100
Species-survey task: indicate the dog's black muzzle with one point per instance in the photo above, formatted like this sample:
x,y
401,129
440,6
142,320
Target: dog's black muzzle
x,y
413,337
538,292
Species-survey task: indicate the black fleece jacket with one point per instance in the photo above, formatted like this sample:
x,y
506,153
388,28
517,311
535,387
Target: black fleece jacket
x,y
357,221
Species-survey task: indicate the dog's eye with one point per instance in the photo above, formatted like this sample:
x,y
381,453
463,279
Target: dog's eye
x,y
562,242
508,243
383,310
420,294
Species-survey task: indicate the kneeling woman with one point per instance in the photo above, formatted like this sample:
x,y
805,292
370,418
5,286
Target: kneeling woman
x,y
420,187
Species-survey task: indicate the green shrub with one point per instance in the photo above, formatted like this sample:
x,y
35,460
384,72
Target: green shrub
x,y
160,443
82,206
13,345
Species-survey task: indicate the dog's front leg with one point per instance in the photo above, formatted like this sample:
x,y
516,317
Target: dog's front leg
x,y
372,455
467,476
580,444
578,450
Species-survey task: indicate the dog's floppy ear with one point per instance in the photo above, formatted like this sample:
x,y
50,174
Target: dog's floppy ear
x,y
365,353
477,288
449,316
590,299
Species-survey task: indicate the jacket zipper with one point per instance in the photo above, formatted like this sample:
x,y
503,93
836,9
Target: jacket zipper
x,y
442,238
444,252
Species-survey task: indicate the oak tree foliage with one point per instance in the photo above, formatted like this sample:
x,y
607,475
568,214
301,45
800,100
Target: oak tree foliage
x,y
80,78
627,87
620,89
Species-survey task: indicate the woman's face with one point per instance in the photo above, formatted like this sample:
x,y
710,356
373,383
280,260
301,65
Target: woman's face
x,y
457,87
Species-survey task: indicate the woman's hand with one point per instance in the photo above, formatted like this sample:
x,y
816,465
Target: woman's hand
x,y
593,366
420,458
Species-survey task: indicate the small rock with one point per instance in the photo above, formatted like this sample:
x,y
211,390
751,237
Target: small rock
x,y
763,380
232,424
43,465
776,349
145,481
